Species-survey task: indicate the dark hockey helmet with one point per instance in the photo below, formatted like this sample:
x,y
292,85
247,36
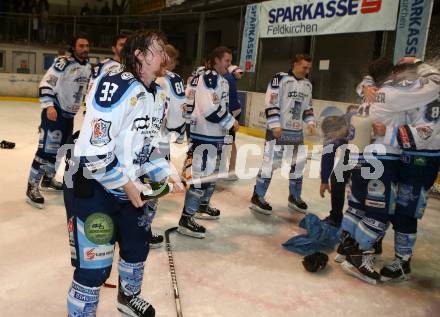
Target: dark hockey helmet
x,y
314,262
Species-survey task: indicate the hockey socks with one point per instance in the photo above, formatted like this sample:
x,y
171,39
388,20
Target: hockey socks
x,y
82,301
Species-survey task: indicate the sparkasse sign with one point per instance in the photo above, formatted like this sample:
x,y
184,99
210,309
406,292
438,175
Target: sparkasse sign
x,y
285,18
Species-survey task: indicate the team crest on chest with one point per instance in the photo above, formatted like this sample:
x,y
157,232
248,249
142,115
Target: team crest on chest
x,y
100,132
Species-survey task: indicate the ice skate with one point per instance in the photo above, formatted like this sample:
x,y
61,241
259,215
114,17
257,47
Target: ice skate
x,y
188,227
50,184
361,265
396,271
260,205
134,305
207,212
297,205
156,241
34,197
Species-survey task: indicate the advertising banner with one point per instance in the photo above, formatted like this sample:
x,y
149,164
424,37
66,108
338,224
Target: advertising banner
x,y
249,47
286,18
412,28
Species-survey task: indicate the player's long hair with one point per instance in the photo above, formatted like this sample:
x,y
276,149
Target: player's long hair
x,y
139,40
218,52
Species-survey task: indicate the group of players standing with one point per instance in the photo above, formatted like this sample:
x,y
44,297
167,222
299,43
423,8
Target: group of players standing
x,y
120,164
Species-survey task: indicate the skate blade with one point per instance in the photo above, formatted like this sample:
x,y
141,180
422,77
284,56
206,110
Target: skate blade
x,y
50,190
400,279
33,204
205,217
156,245
257,209
351,270
189,233
293,207
339,258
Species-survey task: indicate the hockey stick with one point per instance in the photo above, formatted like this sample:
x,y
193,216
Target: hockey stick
x,y
173,271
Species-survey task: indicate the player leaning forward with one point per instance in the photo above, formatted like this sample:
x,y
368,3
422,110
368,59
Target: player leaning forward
x,y
210,124
374,200
288,105
61,92
125,111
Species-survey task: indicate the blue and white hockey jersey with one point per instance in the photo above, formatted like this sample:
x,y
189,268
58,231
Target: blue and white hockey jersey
x,y
211,120
106,66
122,121
64,85
422,130
410,108
393,100
174,89
190,92
288,104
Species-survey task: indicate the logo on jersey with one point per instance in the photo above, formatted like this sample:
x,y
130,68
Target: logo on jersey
x,y
141,123
52,80
100,132
273,98
424,132
215,99
127,76
133,101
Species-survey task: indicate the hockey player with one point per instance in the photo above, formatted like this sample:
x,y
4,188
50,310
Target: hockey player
x,y
210,122
373,199
420,140
173,85
110,64
174,88
288,104
107,200
61,93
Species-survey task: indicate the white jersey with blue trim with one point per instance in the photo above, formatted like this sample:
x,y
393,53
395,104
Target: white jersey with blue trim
x,y
122,121
211,120
190,91
174,88
106,66
288,103
64,85
393,100
414,113
422,130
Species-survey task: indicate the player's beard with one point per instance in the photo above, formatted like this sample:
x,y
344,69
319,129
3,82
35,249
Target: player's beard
x,y
83,55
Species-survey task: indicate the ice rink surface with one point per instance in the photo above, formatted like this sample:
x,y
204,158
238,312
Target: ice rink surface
x,y
239,270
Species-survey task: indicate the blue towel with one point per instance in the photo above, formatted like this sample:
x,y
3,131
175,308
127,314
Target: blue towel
x,y
320,237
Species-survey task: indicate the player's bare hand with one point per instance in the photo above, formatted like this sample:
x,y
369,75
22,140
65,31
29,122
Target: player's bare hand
x,y
134,194
236,126
370,93
276,132
52,113
379,129
323,188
